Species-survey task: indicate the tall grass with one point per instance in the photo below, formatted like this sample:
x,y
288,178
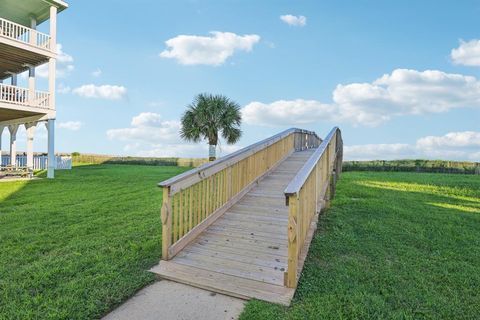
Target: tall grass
x,y
436,166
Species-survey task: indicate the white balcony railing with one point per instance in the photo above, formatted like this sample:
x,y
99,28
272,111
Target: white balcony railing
x,y
22,96
24,34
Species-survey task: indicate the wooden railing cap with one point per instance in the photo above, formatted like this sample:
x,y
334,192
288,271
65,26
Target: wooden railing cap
x,y
301,177
233,157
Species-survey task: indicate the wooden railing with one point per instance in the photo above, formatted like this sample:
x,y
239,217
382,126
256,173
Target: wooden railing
x,y
309,192
21,96
24,34
195,199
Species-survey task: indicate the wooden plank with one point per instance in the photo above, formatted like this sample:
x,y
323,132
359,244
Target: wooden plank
x,y
197,230
225,284
299,180
266,195
306,246
190,208
275,263
274,245
273,249
231,267
240,207
181,214
262,214
240,252
238,216
250,224
233,247
166,216
193,176
176,217
252,237
247,232
291,274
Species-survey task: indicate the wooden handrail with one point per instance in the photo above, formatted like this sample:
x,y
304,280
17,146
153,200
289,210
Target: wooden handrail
x,y
309,192
301,177
195,199
208,169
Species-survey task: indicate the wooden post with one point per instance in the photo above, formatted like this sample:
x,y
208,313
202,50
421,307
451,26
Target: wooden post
x,y
166,223
333,182
291,275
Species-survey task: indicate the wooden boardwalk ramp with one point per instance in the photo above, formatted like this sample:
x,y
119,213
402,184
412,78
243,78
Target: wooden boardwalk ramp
x,y
232,233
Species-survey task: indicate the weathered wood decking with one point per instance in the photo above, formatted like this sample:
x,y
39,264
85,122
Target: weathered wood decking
x,y
244,253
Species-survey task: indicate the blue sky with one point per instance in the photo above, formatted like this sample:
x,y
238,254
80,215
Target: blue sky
x,y
383,71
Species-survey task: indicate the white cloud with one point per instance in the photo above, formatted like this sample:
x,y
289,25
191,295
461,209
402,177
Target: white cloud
x,y
70,125
451,146
207,50
63,89
147,119
97,73
468,53
378,151
64,65
298,21
109,92
285,112
403,92
150,136
451,140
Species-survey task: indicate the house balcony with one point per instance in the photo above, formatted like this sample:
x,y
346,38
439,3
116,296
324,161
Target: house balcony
x,y
17,102
22,47
23,35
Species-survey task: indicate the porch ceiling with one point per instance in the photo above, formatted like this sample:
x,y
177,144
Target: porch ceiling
x,y
8,114
20,11
15,60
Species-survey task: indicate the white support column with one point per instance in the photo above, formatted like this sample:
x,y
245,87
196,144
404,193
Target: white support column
x,y
31,69
1,151
14,79
30,133
52,62
31,84
33,33
53,28
51,148
13,143
51,81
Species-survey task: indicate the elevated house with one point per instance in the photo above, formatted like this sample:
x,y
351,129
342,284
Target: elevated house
x,y
23,48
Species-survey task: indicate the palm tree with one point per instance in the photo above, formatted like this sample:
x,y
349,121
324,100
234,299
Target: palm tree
x,y
207,117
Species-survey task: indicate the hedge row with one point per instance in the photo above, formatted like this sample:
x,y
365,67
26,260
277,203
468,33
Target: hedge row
x,y
101,159
435,166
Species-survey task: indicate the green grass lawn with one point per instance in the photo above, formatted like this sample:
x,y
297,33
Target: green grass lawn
x,y
76,246
393,245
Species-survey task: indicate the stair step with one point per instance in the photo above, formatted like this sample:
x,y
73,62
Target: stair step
x,y
222,283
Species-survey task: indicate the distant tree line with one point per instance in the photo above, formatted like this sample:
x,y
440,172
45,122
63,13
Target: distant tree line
x,y
434,166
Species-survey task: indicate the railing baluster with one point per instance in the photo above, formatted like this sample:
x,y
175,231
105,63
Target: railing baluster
x,y
207,191
312,185
24,34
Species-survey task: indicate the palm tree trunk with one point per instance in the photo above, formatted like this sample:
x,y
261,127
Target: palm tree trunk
x,y
212,152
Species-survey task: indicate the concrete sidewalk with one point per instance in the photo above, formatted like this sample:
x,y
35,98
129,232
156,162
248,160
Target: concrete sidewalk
x,y
169,300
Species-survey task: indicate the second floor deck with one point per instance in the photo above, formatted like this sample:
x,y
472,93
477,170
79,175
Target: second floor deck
x,y
14,97
23,35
